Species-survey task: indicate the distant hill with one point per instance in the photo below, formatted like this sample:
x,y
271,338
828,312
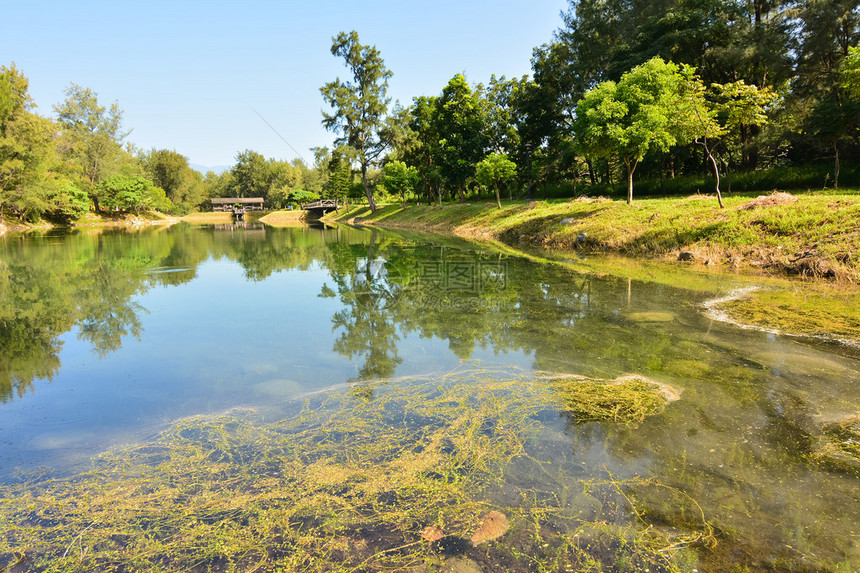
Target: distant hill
x,y
218,169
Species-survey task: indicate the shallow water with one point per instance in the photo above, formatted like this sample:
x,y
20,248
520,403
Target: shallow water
x,y
108,337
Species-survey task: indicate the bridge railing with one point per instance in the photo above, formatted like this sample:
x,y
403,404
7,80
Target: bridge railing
x,y
323,204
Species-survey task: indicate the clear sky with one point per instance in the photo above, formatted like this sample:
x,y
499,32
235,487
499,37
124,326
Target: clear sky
x,y
190,75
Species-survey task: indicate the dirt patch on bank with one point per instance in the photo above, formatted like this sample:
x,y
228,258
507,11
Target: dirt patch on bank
x,y
775,198
287,218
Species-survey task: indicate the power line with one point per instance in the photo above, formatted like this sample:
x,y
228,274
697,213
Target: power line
x,y
281,136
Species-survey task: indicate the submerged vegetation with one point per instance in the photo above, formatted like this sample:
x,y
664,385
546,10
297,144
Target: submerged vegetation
x,y
628,400
427,472
839,445
804,310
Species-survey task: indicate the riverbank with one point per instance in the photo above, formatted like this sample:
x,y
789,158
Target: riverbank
x,y
274,218
93,220
811,234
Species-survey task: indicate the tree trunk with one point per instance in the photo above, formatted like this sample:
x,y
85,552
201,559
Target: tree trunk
x,y
836,172
631,167
728,176
713,161
498,199
662,188
590,172
367,191
629,185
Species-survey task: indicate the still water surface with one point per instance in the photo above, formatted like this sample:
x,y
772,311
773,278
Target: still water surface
x,y
107,337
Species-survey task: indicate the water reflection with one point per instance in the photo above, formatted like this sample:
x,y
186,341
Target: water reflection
x,y
742,442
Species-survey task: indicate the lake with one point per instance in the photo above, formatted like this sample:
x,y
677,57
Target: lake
x,y
339,398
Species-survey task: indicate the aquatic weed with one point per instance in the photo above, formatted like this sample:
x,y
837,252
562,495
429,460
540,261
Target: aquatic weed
x,y
348,485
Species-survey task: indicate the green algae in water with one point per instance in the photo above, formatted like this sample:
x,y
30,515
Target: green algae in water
x,y
627,400
348,485
839,445
805,310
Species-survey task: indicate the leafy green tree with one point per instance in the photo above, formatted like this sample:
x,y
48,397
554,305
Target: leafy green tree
x,y
600,40
399,178
170,171
495,170
851,72
310,178
31,185
92,134
218,185
14,95
251,175
422,148
460,127
828,29
592,34
339,174
70,201
737,108
547,107
299,196
26,154
132,194
638,114
361,105
501,114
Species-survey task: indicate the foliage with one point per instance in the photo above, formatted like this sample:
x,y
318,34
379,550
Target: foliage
x,y
91,135
495,170
422,149
851,72
251,175
132,194
301,196
32,183
170,171
360,106
337,173
460,124
398,178
652,107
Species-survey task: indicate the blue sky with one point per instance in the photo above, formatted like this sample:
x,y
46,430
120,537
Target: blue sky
x,y
190,75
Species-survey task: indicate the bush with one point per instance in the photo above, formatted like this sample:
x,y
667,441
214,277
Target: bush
x,y
71,202
302,196
132,194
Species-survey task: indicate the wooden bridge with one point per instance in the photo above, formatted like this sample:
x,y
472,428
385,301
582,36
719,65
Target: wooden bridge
x,y
321,207
232,203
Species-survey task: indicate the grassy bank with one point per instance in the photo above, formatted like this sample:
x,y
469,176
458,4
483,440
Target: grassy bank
x,y
809,234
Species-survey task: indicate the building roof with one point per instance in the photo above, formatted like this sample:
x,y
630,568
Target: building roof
x,y
234,200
